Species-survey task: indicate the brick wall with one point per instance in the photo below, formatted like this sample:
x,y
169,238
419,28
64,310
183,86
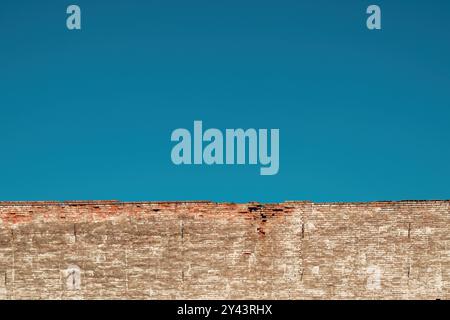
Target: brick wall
x,y
201,250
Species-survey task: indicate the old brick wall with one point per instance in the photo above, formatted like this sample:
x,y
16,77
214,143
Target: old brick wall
x,y
201,250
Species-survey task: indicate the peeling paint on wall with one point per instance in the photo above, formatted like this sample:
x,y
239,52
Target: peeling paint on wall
x,y
206,250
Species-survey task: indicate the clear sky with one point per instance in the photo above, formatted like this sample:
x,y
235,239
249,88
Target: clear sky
x,y
363,115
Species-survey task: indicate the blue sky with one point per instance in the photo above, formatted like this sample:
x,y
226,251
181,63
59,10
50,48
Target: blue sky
x,y
363,115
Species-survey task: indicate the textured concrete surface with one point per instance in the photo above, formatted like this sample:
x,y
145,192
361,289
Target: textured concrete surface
x,y
205,250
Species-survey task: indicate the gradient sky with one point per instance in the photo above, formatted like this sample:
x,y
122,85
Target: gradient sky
x,y
363,115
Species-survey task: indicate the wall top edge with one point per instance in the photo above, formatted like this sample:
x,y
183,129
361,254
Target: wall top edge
x,y
118,203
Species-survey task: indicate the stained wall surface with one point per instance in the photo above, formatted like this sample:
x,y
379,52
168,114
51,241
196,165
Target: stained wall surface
x,y
206,250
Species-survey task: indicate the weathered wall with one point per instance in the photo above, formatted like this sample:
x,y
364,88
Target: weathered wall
x,y
198,250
